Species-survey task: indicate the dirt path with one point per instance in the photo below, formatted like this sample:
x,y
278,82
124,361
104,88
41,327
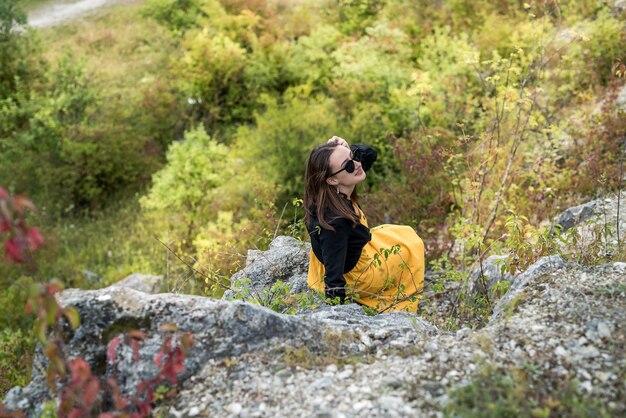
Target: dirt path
x,y
58,12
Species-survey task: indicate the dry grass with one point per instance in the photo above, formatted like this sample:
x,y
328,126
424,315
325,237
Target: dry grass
x,y
121,49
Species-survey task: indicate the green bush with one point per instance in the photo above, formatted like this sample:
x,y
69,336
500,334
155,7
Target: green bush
x,y
202,202
57,148
370,66
21,59
212,75
188,184
176,15
588,50
284,135
312,60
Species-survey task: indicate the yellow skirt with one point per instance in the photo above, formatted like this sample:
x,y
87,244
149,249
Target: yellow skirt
x,y
389,275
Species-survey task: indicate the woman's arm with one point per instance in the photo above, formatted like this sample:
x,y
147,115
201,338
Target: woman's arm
x,y
334,249
365,154
360,152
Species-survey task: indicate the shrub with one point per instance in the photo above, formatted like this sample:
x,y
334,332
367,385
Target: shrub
x,y
588,51
80,392
58,150
197,167
212,75
283,136
176,15
21,61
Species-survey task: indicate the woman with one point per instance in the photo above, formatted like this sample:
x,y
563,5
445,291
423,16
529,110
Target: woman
x,y
382,267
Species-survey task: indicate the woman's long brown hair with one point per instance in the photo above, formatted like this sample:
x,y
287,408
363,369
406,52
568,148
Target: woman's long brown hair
x,y
321,197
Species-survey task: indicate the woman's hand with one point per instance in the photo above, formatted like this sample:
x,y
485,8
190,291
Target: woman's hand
x,y
339,141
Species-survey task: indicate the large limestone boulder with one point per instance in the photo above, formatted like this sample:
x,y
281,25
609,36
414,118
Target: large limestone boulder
x,y
220,329
287,260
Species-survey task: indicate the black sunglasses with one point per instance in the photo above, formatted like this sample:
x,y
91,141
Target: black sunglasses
x,y
349,167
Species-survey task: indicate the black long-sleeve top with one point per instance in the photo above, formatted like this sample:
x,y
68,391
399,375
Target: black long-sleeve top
x,y
340,250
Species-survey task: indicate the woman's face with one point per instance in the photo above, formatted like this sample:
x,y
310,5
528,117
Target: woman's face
x,y
338,160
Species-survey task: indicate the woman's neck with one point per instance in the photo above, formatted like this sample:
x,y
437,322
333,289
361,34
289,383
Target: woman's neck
x,y
345,190
345,196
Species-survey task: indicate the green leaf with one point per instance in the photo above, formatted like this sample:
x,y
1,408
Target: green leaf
x,y
40,331
72,316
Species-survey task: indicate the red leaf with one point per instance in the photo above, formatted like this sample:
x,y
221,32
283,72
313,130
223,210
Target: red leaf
x,y
167,345
112,348
173,366
90,392
34,238
81,371
76,413
146,406
54,286
12,251
3,193
118,401
5,226
159,358
142,386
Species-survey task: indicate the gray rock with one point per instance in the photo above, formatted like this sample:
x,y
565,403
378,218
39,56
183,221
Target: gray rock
x,y
543,266
298,283
491,272
352,317
604,331
145,283
220,329
396,364
601,225
286,260
320,384
91,276
573,216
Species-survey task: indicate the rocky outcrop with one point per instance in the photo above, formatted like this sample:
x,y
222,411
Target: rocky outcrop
x,y
145,283
221,330
566,321
560,325
287,260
